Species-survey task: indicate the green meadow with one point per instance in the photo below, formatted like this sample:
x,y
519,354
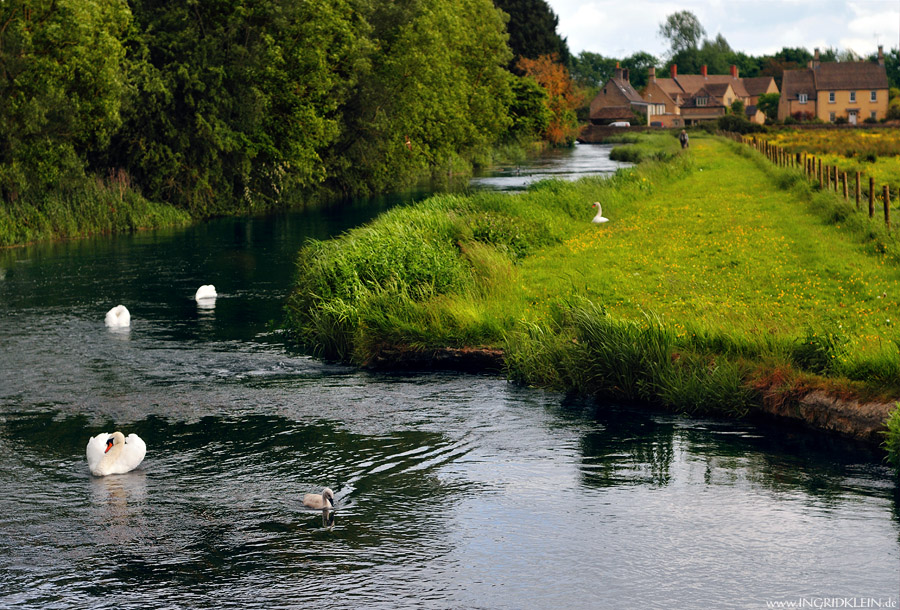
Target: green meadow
x,y
717,277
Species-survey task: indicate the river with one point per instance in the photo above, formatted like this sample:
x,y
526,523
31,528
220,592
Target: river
x,y
452,490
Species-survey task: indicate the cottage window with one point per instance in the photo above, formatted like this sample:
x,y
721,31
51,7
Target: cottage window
x,y
831,97
702,101
831,117
853,97
874,115
873,96
802,98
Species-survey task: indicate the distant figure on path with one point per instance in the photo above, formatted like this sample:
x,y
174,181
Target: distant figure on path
x,y
683,138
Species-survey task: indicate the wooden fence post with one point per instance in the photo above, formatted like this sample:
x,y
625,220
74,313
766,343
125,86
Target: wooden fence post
x,y
887,207
819,175
857,190
835,179
844,182
871,196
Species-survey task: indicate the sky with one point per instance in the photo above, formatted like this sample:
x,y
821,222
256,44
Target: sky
x,y
618,28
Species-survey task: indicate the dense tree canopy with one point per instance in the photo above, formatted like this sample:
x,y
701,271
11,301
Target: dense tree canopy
x,y
61,88
562,98
233,101
532,30
436,89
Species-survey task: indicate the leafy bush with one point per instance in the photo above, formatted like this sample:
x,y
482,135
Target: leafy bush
x,y
738,124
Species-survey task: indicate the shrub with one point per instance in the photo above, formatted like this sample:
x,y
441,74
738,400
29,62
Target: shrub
x,y
738,124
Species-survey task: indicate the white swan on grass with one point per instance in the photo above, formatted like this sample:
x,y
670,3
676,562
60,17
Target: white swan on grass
x,y
599,217
114,453
322,501
118,317
207,291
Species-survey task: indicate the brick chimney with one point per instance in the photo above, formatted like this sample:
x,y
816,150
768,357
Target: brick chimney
x,y
674,70
703,71
651,72
734,71
625,75
814,63
880,55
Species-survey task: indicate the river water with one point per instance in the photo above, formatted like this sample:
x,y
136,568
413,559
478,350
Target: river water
x,y
452,490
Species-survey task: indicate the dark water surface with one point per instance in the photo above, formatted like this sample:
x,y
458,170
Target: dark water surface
x,y
453,491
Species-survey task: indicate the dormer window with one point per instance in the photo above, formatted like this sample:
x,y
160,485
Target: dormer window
x,y
802,98
702,101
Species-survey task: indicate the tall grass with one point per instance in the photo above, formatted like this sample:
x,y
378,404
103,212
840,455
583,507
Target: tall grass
x,y
101,205
640,147
892,438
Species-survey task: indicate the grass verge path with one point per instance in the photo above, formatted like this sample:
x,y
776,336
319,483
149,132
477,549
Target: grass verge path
x,y
725,249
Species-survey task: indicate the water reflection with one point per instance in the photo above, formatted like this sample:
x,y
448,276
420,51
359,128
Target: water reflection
x,y
561,164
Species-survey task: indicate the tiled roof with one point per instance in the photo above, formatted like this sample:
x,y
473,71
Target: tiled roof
x,y
670,87
626,89
757,85
850,75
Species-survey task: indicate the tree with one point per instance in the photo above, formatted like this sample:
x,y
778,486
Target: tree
x,y
61,86
768,104
737,108
638,65
682,30
592,69
532,30
434,93
716,55
562,99
530,108
234,101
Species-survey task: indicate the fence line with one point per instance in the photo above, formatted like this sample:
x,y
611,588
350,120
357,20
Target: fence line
x,y
815,171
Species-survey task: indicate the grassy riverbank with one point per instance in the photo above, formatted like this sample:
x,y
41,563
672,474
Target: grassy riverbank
x,y
718,281
93,207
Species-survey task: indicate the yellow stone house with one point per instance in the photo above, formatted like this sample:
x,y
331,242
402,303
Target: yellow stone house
x,y
854,90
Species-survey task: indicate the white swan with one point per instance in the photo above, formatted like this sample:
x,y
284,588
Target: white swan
x,y
114,454
207,291
324,500
599,217
118,317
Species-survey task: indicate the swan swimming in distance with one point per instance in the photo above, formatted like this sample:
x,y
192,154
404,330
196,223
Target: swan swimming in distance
x,y
207,291
599,217
114,453
118,317
323,501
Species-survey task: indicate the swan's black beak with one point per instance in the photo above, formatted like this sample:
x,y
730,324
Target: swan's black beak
x,y
330,501
109,444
